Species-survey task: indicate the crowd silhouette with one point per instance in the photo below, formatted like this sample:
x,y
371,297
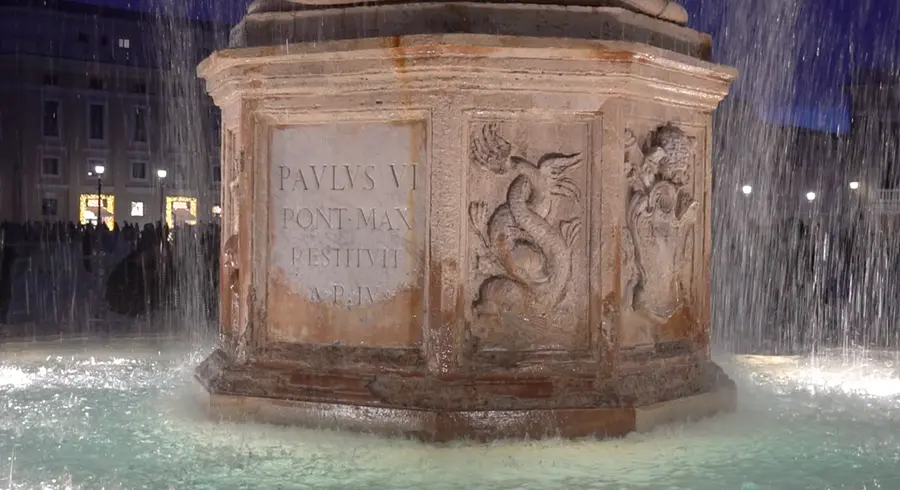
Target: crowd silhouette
x,y
144,281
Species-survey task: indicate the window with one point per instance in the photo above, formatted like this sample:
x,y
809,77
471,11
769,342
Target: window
x,y
217,173
49,207
51,118
96,84
50,166
138,170
179,173
124,43
82,37
97,122
139,88
137,208
92,163
140,125
104,41
50,79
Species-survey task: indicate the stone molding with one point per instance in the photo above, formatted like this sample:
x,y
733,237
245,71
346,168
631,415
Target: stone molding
x,y
461,17
467,62
668,10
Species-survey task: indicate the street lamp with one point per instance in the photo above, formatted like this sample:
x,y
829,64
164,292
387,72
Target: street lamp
x,y
747,190
810,196
99,169
854,185
161,175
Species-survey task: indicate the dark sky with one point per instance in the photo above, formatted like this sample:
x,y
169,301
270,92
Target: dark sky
x,y
824,40
817,43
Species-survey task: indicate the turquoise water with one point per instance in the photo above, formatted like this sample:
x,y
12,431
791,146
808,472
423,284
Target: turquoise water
x,y
121,416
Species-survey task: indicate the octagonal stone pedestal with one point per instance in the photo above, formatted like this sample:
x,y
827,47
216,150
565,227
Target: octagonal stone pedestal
x,y
447,233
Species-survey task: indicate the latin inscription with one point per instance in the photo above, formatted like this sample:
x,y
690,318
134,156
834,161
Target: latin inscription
x,y
351,226
395,219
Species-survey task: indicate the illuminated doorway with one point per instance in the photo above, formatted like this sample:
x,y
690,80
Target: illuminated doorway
x,y
88,208
181,210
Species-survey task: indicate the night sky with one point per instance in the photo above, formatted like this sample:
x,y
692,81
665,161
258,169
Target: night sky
x,y
831,37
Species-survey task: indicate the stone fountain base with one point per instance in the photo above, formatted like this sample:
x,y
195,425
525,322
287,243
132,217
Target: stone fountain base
x,y
466,219
438,410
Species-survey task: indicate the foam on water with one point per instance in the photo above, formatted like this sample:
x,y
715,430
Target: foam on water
x,y
121,417
13,377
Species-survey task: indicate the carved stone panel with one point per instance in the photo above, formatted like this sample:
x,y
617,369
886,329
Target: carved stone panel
x,y
662,213
527,260
348,233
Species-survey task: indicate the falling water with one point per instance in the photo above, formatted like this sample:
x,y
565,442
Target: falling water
x,y
790,274
191,124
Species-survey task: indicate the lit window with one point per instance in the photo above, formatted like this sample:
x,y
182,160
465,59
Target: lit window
x,y
137,208
124,43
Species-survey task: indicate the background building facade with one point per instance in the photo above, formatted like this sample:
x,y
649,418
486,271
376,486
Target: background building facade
x,y
875,132
83,86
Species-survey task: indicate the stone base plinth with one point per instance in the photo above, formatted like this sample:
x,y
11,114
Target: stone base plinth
x,y
435,410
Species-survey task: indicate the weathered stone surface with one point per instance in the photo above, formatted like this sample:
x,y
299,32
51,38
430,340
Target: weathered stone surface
x,y
528,265
551,266
669,10
598,20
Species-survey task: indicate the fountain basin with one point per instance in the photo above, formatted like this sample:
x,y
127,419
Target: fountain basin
x,y
80,415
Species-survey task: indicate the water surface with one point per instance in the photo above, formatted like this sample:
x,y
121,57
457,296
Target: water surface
x,y
121,415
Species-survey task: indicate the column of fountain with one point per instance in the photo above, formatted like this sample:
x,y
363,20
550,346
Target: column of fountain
x,y
466,219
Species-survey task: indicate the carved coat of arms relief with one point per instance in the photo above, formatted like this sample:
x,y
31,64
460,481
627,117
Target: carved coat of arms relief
x,y
660,213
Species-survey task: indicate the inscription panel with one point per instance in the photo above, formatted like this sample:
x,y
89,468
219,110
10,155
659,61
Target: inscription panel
x,y
347,229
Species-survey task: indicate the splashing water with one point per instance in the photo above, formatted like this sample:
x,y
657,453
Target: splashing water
x,y
123,415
